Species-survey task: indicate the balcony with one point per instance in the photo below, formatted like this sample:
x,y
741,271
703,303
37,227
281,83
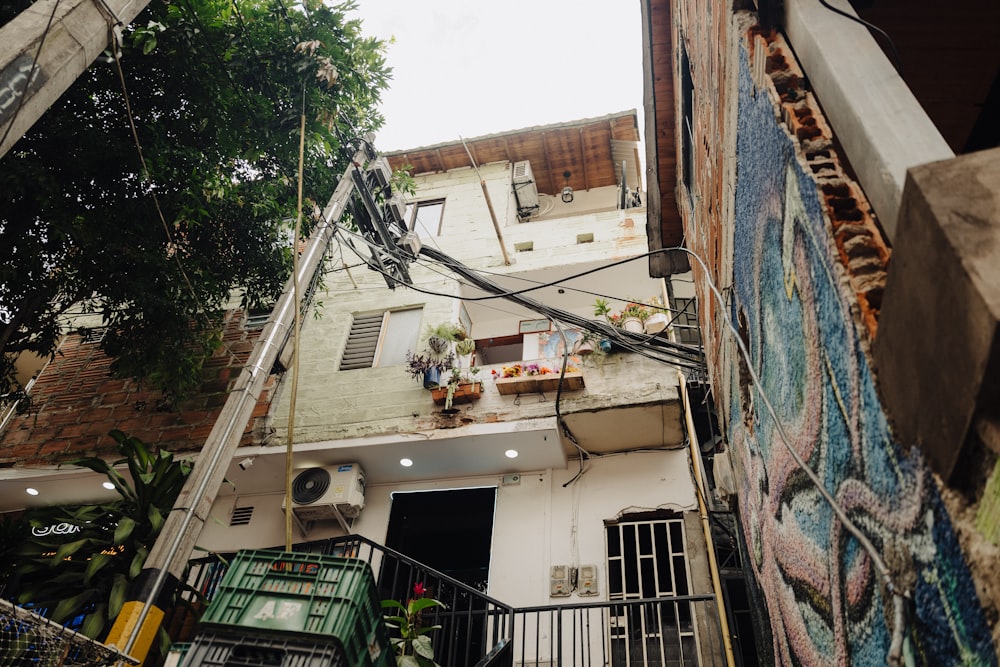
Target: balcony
x,y
479,630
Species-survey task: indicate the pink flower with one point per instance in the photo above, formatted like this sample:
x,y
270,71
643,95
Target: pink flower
x,y
419,589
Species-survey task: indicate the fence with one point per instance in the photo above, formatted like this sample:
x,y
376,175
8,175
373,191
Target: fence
x,y
478,630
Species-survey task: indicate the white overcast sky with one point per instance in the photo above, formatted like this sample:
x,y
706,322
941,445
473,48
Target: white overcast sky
x,y
468,68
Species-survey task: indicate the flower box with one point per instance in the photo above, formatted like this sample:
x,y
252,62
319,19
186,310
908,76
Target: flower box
x,y
531,384
465,392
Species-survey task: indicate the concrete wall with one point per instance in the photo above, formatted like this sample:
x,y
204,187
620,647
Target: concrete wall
x,y
537,522
334,404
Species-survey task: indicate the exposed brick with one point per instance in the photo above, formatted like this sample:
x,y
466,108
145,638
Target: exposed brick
x,y
201,432
133,425
24,451
63,418
53,447
73,430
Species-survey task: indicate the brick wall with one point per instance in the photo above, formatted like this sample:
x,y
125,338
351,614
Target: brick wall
x,y
861,245
76,403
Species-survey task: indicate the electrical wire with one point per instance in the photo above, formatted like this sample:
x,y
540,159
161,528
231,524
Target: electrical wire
x,y
559,283
874,28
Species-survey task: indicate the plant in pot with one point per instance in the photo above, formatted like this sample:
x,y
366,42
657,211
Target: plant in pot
x,y
440,335
428,367
461,387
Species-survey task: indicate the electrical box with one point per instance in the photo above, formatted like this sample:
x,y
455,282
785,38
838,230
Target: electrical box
x,y
586,580
559,581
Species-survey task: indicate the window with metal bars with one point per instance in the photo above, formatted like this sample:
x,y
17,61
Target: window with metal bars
x,y
647,560
686,321
381,339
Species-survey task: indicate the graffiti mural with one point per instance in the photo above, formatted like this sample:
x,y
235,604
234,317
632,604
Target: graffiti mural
x,y
793,304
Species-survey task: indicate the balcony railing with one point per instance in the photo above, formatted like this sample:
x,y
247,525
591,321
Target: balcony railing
x,y
479,630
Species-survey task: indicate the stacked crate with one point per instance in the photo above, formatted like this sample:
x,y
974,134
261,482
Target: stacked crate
x,y
280,609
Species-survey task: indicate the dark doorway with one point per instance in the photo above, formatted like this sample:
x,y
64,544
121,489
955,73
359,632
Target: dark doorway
x,y
449,531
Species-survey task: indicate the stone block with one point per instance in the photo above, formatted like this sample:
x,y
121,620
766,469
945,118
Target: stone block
x,y
937,351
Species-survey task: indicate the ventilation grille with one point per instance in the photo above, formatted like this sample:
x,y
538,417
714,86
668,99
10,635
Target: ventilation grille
x,y
241,516
362,342
257,319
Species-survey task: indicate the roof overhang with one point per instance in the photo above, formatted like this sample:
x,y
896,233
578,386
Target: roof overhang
x,y
584,148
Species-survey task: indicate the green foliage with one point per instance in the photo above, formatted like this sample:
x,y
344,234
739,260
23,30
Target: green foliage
x,y
94,571
447,330
413,645
13,532
216,91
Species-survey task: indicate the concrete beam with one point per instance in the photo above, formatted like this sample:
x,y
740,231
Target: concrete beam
x,y
876,118
75,32
938,346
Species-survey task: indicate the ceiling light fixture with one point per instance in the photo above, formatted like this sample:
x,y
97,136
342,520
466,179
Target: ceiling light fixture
x,y
31,491
108,485
406,463
567,191
511,453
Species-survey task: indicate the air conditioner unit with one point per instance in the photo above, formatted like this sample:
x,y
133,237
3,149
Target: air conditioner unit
x,y
379,174
395,211
323,493
525,189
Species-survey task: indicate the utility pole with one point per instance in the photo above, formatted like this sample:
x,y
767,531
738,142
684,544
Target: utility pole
x,y
135,628
45,48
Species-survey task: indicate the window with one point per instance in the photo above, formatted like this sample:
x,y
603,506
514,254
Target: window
x,y
687,120
685,317
646,559
381,339
424,217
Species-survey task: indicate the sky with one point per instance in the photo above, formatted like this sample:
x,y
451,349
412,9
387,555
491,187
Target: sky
x,y
465,68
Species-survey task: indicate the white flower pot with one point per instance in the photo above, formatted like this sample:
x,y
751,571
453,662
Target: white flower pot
x,y
656,323
633,324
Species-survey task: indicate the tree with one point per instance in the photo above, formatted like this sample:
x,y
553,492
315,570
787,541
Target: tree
x,y
216,89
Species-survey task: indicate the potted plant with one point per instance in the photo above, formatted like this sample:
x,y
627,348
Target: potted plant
x,y
439,335
413,645
428,367
531,378
658,319
634,316
460,388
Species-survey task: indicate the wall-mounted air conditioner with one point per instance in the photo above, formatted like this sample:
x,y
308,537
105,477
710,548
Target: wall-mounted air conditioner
x,y
525,189
323,493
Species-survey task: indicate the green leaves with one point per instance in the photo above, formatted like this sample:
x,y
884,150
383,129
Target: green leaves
x,y
413,645
216,93
99,550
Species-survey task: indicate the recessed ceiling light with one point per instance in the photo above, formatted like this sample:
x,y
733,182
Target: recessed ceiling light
x,y
31,492
511,453
406,463
108,485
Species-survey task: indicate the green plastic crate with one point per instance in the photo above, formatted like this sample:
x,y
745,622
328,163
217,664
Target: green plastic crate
x,y
221,650
311,596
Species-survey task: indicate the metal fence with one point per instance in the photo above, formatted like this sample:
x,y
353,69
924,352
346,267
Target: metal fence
x,y
479,630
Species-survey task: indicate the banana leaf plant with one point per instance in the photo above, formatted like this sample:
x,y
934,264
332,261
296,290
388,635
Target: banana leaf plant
x,y
90,573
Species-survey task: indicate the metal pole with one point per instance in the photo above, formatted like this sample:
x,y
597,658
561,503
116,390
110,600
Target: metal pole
x,y
139,619
489,205
713,566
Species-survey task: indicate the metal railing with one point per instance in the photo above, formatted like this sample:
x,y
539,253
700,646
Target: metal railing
x,y
681,630
472,623
478,630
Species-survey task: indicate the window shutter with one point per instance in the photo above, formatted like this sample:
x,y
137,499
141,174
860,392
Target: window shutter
x,y
362,342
